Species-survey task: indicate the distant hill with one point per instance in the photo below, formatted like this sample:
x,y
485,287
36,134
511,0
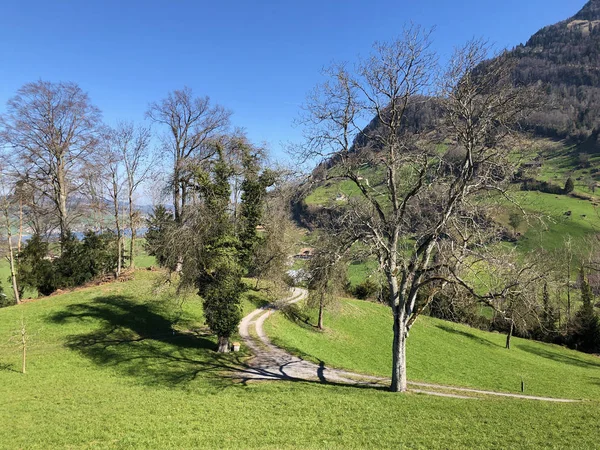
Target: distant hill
x,y
565,59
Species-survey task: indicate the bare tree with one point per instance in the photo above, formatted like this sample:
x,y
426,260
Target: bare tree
x,y
132,147
37,208
420,217
52,129
191,122
105,182
8,207
327,275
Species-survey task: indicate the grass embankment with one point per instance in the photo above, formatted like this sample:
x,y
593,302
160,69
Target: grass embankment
x,y
126,365
359,337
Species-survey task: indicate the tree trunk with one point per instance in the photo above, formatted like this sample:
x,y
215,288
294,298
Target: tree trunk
x,y
20,226
509,335
321,308
62,202
399,353
133,230
569,290
119,232
223,344
176,196
13,271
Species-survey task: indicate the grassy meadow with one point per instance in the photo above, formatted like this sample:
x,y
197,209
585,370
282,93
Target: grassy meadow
x,y
358,337
130,365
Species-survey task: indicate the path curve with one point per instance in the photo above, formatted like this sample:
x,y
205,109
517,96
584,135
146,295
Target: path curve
x,y
273,363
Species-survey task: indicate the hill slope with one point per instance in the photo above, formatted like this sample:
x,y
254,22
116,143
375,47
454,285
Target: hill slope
x,y
112,367
359,337
565,58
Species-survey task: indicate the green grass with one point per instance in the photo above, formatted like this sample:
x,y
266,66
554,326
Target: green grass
x,y
115,367
359,337
359,271
548,225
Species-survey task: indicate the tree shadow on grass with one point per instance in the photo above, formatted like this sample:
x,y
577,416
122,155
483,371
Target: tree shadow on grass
x,y
466,334
257,300
141,341
8,367
295,314
558,357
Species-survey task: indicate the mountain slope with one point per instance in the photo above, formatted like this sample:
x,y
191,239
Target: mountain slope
x,y
565,59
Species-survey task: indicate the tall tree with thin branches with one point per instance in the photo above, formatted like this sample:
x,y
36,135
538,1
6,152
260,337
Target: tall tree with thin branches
x,y
190,123
52,129
133,147
420,218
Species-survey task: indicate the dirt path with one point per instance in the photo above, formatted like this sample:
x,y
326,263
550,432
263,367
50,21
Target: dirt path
x,y
273,363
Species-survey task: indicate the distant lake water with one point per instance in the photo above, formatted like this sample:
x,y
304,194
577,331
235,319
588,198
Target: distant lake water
x,y
79,234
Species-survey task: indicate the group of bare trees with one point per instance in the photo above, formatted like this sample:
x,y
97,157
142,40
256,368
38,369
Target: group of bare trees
x,y
425,220
64,170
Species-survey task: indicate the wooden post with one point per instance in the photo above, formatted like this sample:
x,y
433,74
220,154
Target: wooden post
x,y
24,345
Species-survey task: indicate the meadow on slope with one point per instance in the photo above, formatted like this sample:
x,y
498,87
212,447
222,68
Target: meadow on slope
x,y
130,365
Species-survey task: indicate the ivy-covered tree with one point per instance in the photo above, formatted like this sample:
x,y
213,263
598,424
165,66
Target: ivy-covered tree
x,y
219,272
254,190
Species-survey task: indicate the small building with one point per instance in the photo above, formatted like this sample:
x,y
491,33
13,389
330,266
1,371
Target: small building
x,y
305,253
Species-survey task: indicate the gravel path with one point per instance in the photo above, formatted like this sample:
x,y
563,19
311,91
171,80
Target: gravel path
x,y
273,363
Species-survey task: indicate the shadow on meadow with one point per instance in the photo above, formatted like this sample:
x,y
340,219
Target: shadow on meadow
x,y
150,343
466,334
559,357
144,341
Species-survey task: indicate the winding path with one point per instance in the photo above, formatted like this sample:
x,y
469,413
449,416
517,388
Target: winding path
x,y
273,363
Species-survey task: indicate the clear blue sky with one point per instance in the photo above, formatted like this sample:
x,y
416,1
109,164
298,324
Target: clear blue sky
x,y
258,58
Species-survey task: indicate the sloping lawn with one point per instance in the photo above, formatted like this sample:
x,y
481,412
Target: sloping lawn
x,y
128,365
358,336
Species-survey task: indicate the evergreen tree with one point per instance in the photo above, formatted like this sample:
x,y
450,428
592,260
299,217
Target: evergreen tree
x,y
219,278
35,269
254,190
586,327
160,225
569,186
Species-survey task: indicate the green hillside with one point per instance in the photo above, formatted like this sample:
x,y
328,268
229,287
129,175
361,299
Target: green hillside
x,y
358,337
549,218
126,365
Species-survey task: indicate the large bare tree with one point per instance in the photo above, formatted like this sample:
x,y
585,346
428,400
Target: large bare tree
x,y
417,209
52,128
191,122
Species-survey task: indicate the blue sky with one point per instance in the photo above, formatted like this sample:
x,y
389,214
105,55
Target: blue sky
x,y
257,58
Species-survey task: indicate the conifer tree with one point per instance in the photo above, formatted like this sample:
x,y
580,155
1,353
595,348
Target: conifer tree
x,y
586,328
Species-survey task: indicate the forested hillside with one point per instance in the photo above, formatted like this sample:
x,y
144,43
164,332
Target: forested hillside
x,y
565,59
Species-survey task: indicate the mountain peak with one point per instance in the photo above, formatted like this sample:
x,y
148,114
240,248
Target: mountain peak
x,y
591,11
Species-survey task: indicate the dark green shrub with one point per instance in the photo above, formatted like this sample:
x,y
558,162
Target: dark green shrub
x,y
366,289
80,262
34,267
160,226
569,186
83,261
